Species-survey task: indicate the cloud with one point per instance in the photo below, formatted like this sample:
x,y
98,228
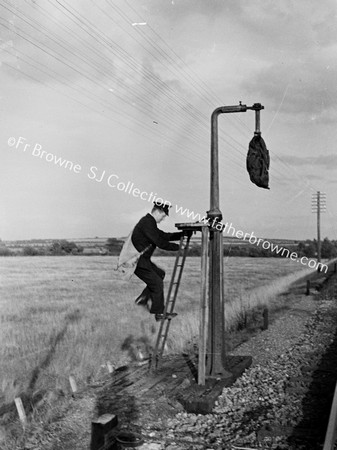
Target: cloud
x,y
312,177
296,39
328,162
305,87
291,25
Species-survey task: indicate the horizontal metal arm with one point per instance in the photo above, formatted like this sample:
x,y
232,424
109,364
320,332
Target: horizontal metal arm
x,y
237,108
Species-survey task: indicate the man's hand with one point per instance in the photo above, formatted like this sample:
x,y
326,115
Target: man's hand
x,y
188,233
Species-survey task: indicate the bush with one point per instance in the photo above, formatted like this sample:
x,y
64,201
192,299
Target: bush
x,y
63,247
114,246
30,251
4,251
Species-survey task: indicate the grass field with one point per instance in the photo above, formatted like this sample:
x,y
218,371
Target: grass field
x,y
62,316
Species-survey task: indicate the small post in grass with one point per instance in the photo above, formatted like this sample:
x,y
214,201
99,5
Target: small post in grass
x,y
308,288
21,411
110,367
73,384
265,318
102,432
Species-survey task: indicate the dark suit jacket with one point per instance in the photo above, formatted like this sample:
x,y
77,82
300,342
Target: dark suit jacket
x,y
146,232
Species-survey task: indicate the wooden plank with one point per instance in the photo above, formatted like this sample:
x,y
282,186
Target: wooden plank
x,y
141,381
195,226
203,308
330,437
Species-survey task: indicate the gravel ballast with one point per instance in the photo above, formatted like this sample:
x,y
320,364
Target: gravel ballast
x,y
283,400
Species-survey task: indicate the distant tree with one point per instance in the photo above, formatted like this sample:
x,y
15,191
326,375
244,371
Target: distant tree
x,y
28,250
328,249
68,247
114,246
307,248
55,248
236,250
63,247
4,251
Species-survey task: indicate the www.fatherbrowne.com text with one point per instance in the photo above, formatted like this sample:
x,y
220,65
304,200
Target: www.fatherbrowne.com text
x,y
229,229
113,181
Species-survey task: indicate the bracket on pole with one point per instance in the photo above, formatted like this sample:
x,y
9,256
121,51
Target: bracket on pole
x,y
257,108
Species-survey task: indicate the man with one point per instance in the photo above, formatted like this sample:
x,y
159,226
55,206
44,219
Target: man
x,y
146,233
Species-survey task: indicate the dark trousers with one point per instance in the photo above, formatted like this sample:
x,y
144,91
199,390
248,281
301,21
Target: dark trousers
x,y
153,276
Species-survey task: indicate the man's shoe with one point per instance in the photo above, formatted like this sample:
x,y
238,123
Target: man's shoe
x,y
168,316
142,300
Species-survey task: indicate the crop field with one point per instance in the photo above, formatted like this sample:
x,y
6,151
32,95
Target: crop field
x,y
62,316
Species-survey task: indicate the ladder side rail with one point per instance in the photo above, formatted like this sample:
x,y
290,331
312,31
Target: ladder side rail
x,y
160,345
180,274
173,274
168,322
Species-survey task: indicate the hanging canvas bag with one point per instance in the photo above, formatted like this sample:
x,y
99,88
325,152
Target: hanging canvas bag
x,y
128,259
258,161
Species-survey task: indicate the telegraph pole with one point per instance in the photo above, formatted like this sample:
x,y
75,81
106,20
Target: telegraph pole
x,y
318,205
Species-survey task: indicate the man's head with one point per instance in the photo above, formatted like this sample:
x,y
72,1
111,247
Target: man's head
x,y
160,211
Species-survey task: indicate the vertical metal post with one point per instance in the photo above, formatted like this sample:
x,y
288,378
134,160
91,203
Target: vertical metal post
x,y
216,320
216,357
203,307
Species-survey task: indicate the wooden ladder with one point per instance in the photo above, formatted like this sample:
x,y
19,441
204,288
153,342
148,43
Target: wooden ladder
x,y
170,301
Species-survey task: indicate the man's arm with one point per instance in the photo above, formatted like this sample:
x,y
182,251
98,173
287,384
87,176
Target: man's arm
x,y
160,238
171,236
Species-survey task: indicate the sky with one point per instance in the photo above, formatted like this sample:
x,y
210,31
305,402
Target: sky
x,y
104,103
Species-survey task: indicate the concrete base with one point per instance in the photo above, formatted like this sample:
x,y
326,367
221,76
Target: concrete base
x,y
201,399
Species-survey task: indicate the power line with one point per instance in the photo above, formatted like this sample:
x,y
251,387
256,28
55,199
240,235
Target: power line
x,y
126,58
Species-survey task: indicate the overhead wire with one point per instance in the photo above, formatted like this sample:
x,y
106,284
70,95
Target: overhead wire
x,y
124,60
170,67
58,2
200,87
205,119
196,117
205,94
148,26
78,71
54,40
57,90
238,163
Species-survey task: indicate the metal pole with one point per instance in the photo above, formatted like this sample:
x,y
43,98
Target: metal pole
x,y
216,358
203,307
